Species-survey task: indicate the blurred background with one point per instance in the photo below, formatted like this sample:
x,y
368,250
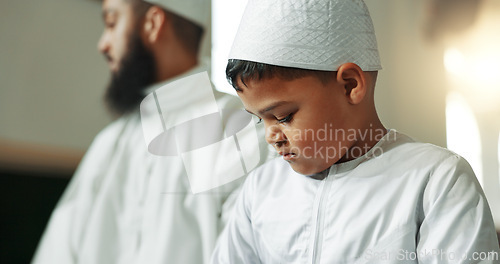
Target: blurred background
x,y
440,84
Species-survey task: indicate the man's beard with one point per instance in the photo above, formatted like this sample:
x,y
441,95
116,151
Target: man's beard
x,y
137,71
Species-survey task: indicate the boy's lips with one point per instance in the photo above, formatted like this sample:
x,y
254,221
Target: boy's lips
x,y
287,155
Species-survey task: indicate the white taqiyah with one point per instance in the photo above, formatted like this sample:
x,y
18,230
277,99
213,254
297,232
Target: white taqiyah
x,y
308,34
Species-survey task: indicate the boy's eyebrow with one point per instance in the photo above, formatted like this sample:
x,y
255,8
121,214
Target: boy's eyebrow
x,y
269,108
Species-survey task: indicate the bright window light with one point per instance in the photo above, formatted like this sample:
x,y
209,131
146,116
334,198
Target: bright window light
x,y
462,132
454,61
226,16
487,69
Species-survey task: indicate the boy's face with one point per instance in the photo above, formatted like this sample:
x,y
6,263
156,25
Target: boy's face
x,y
303,119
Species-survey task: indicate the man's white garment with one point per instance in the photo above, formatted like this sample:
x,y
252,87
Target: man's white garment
x,y
402,202
125,205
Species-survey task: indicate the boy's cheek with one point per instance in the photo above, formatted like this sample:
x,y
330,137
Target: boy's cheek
x,y
307,150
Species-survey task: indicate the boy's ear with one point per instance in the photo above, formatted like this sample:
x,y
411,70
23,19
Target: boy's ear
x,y
154,22
352,78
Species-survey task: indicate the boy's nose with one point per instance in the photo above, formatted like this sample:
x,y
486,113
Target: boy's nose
x,y
274,135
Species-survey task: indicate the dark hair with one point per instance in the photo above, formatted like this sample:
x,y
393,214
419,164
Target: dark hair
x,y
249,70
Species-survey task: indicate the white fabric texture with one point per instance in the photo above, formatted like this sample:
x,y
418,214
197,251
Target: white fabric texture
x,y
402,202
197,11
308,34
212,155
125,205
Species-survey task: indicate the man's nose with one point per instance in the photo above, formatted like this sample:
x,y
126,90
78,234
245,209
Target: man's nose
x,y
103,43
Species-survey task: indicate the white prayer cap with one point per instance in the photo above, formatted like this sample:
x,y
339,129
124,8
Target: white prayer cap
x,y
197,11
307,34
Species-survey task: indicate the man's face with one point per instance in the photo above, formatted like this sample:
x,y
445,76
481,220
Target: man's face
x,y
304,119
131,63
119,24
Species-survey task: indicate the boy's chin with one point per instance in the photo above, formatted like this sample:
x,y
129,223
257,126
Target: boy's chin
x,y
307,169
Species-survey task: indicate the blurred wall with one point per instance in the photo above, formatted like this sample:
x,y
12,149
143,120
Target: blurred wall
x,y
51,76
411,88
51,84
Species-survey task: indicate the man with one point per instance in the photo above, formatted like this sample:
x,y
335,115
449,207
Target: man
x,y
125,205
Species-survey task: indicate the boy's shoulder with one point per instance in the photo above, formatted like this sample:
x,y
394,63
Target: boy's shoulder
x,y
405,158
404,148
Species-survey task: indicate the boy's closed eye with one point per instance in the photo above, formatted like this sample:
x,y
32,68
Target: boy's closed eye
x,y
286,119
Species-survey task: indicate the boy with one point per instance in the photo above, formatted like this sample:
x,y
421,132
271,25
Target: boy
x,y
347,189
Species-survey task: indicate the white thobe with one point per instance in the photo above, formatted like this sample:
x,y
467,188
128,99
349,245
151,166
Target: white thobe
x,y
402,202
125,205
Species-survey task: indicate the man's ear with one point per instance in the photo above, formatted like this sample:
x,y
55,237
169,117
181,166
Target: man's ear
x,y
352,78
154,22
